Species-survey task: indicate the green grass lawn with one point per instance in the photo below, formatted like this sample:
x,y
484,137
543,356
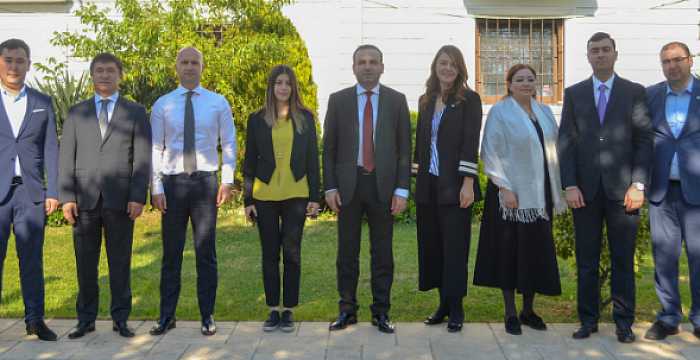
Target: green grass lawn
x,y
240,293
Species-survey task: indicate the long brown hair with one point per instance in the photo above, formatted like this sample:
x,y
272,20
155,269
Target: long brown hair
x,y
511,72
296,106
458,88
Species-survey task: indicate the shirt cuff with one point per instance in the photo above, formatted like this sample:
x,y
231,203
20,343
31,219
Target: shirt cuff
x,y
157,187
401,192
330,191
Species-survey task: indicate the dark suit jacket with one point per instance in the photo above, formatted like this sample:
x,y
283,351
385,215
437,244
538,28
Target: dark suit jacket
x,y
118,167
457,143
36,146
392,145
687,146
615,154
259,161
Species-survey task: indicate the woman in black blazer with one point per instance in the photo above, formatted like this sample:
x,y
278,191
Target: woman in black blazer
x,y
281,187
445,163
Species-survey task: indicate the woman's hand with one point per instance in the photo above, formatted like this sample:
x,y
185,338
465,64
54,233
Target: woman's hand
x,y
251,214
312,209
510,200
466,193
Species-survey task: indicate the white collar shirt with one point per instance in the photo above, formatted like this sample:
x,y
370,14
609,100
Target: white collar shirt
x,y
110,105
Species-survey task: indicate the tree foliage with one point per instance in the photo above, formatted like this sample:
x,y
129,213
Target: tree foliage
x,y
241,41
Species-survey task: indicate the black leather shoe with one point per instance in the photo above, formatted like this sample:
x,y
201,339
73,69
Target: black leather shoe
x,y
344,319
436,318
584,332
208,326
453,326
624,334
40,329
123,330
512,325
287,322
383,323
659,331
81,329
163,326
533,321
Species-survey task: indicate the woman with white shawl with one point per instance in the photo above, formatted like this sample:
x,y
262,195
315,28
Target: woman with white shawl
x,y
516,246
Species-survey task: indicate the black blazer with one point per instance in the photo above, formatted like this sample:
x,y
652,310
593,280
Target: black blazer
x,y
118,168
458,147
259,161
615,154
392,143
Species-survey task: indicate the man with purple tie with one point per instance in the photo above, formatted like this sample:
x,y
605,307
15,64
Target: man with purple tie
x,y
605,147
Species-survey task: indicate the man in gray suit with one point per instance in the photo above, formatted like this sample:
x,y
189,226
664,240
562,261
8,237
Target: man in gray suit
x,y
105,163
366,154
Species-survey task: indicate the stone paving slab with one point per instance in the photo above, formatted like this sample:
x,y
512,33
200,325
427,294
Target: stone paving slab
x,y
312,341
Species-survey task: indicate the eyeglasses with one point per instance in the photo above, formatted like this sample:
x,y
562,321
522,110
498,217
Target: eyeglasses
x,y
675,61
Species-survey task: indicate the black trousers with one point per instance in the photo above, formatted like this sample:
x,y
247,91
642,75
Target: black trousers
x,y
281,224
87,240
381,227
622,234
189,198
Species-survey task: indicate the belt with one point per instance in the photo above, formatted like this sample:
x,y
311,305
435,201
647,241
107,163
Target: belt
x,y
362,171
196,174
16,180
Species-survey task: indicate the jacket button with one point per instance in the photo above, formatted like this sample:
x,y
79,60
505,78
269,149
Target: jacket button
x,y
601,138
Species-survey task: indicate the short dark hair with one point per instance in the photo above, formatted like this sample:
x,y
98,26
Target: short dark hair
x,y
368,47
679,44
106,58
12,44
601,36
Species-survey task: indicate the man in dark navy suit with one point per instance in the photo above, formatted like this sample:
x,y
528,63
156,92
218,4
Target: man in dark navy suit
x,y
28,155
674,194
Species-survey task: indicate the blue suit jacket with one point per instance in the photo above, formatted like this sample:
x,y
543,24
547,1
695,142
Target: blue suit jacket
x,y
36,146
687,145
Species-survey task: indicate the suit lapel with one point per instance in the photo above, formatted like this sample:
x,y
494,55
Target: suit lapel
x,y
589,98
31,100
659,102
692,121
612,99
381,108
5,126
355,123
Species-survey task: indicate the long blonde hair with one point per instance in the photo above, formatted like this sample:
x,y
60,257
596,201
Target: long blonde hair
x,y
296,107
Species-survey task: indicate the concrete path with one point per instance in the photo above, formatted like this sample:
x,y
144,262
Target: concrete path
x,y
313,341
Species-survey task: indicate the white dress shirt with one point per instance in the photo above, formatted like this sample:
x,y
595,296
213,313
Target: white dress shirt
x,y
16,108
213,121
110,105
596,86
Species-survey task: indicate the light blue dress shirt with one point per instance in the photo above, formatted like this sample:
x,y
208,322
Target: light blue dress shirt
x,y
596,88
677,105
110,106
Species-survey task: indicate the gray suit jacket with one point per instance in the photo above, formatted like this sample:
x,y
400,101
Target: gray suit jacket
x,y
392,145
118,167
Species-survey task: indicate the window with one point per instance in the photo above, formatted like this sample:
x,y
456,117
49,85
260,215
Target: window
x,y
501,43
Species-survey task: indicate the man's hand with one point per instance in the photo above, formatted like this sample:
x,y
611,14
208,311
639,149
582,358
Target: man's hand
x,y
134,209
574,197
70,212
510,200
312,209
634,199
398,205
158,202
224,194
50,205
333,200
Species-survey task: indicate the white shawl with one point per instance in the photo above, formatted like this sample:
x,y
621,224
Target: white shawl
x,y
513,158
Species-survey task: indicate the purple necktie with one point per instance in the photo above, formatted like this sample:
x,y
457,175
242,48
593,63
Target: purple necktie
x,y
602,102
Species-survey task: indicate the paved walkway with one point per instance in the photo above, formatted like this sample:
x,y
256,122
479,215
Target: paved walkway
x,y
312,341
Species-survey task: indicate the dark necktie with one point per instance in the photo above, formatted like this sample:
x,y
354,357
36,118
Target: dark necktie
x,y
102,118
367,135
189,160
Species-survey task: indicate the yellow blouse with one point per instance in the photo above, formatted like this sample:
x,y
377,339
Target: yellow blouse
x,y
282,185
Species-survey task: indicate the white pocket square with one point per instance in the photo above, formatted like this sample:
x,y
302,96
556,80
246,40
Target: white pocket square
x,y
38,110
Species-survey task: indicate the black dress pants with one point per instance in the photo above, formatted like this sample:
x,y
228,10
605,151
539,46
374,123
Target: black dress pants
x,y
281,224
622,234
381,227
87,240
189,198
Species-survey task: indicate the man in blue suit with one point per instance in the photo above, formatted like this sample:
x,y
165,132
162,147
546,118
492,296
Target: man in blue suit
x,y
674,194
28,156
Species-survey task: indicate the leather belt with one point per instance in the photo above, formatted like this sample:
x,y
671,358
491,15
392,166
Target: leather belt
x,y
16,180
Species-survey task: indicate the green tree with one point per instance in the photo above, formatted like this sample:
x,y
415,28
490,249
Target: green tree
x,y
241,41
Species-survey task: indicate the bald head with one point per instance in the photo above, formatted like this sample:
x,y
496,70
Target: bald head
x,y
189,66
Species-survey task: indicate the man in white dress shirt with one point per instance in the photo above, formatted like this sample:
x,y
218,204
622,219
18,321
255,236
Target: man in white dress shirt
x,y
187,125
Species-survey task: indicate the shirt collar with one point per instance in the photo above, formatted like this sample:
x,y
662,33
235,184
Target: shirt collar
x,y
22,93
608,83
113,98
361,91
688,89
183,90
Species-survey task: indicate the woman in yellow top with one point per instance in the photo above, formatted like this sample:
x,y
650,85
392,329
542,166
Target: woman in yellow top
x,y
281,188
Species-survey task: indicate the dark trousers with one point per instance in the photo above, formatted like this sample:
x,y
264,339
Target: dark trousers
x,y
672,222
27,220
381,227
622,235
281,224
87,240
189,198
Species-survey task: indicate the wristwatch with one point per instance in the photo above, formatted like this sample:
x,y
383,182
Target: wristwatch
x,y
639,186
